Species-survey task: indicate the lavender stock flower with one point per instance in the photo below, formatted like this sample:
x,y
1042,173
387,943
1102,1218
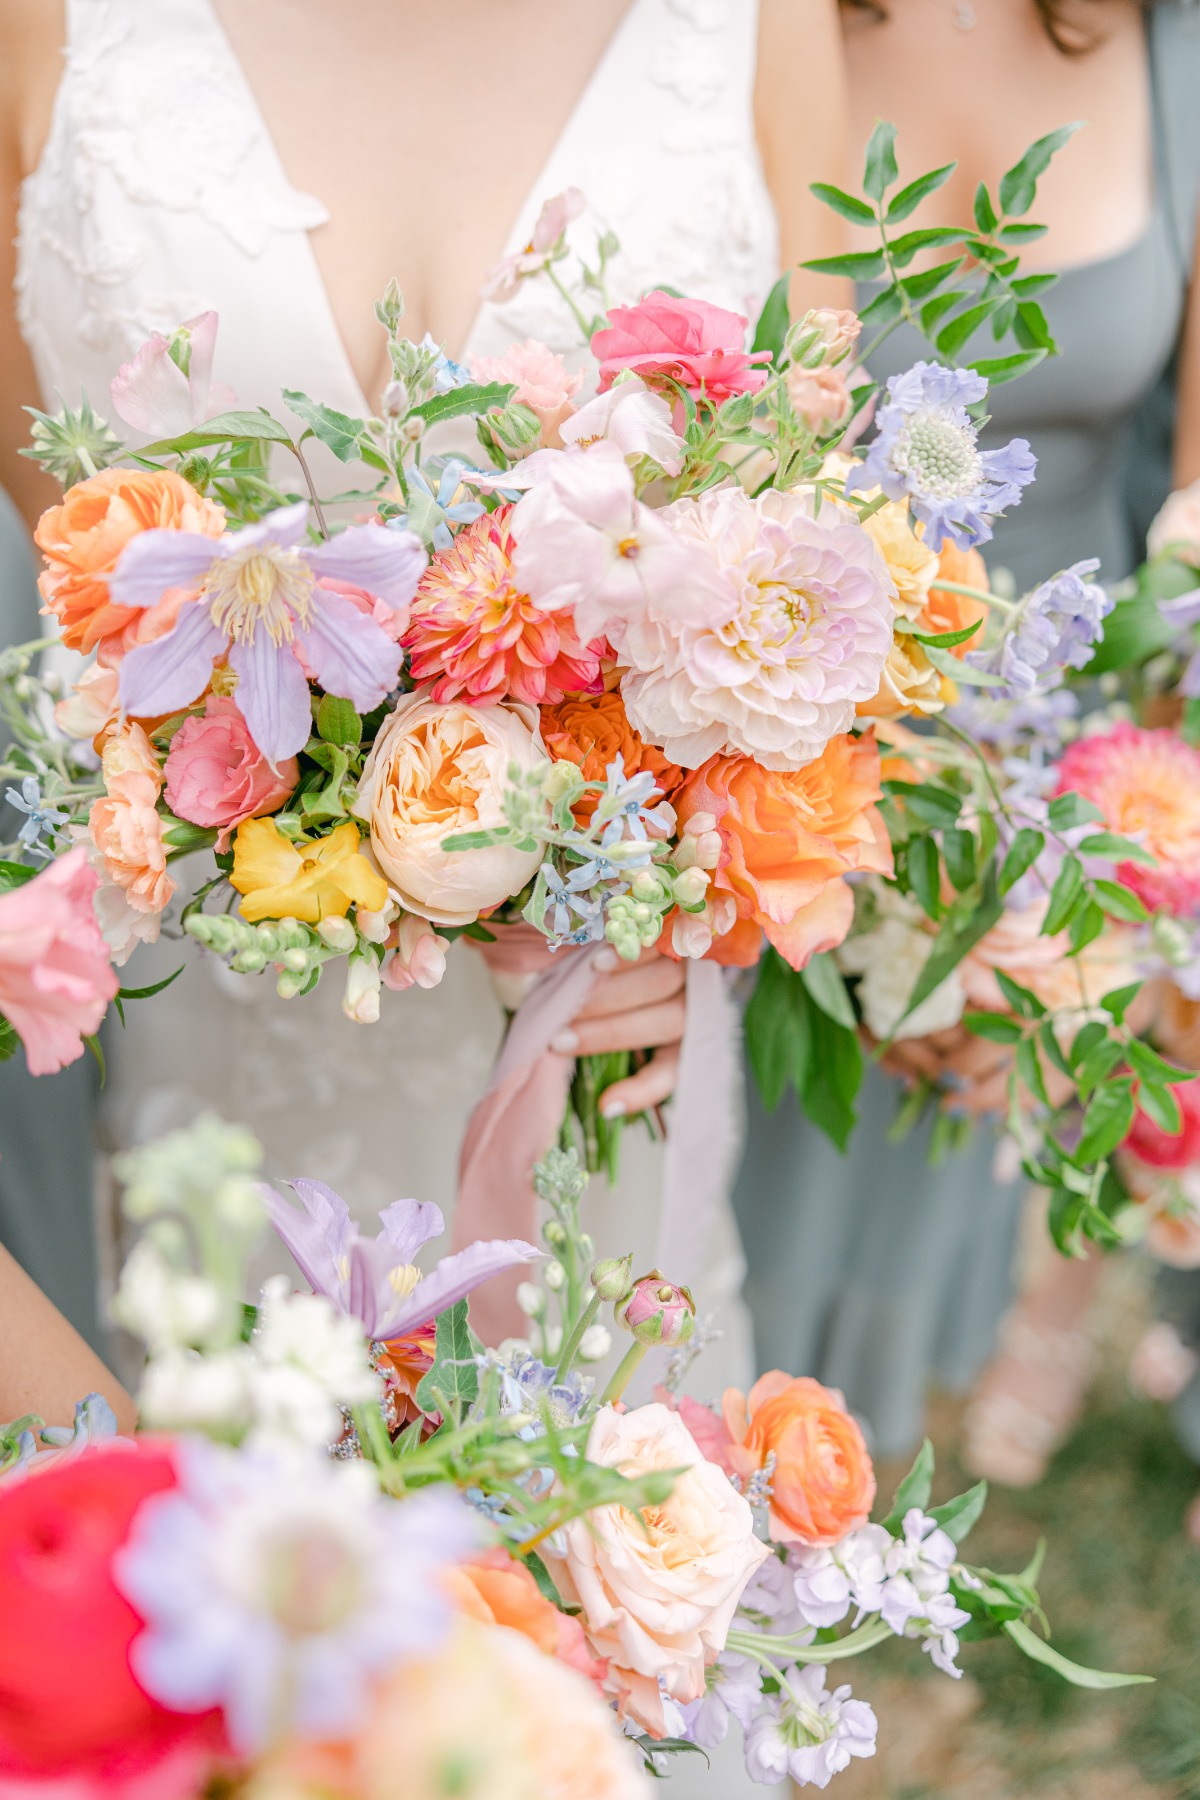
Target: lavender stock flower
x,y
375,1279
1055,628
926,451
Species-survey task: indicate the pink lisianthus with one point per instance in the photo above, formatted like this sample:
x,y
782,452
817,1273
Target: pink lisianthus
x,y
1147,785
475,635
505,277
544,383
631,417
168,387
55,977
700,346
216,776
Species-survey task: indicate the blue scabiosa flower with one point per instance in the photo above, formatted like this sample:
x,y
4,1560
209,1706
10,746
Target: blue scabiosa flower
x,y
927,452
1054,628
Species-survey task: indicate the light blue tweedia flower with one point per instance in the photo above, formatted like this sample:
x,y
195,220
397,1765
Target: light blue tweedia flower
x,y
430,515
1055,628
927,451
574,913
447,373
527,1385
39,817
95,1423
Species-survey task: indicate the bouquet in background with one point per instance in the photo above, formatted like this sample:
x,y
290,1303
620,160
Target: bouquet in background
x,y
632,668
358,1553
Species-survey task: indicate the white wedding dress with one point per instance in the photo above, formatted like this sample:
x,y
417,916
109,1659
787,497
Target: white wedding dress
x,y
159,195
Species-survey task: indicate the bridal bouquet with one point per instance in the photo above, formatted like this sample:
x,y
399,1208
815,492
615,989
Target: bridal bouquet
x,y
629,669
355,1553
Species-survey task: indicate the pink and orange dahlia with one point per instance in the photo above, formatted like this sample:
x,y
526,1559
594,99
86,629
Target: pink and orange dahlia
x,y
475,635
1147,784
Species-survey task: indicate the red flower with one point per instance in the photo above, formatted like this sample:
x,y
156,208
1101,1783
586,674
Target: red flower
x,y
69,1704
1161,1149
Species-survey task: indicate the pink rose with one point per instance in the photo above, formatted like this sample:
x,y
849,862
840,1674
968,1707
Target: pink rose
x,y
217,776
700,346
55,976
542,379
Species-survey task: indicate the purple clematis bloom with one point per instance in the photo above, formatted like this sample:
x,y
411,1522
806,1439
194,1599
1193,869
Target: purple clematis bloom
x,y
926,451
261,603
375,1279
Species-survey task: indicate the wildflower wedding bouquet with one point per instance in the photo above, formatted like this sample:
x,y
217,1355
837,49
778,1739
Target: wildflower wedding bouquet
x,y
356,1555
631,669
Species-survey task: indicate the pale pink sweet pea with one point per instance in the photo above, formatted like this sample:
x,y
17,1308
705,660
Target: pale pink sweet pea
x,y
55,977
261,601
664,338
216,776
420,958
631,417
165,395
585,541
505,277
543,382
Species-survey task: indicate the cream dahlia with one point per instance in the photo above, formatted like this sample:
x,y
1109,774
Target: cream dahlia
x,y
802,637
477,636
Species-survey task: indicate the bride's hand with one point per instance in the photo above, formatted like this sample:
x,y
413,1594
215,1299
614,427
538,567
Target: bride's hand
x,y
634,1006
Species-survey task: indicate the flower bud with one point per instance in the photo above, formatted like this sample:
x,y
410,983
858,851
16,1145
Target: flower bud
x,y
396,400
658,1312
375,926
531,1299
612,1278
691,889
650,888
554,1234
249,962
363,982
296,960
595,1343
413,429
289,985
554,1276
337,934
691,936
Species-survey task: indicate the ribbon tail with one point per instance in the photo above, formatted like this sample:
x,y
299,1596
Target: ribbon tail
x,y
702,1138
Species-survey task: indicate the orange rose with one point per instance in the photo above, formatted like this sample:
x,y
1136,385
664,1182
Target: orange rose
x,y
823,1484
590,732
954,612
787,839
497,1590
125,825
82,539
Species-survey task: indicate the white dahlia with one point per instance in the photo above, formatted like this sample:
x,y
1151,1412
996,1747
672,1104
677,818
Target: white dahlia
x,y
803,636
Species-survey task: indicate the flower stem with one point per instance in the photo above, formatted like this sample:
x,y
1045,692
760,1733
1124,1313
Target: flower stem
x,y
974,593
312,492
571,1348
624,1374
757,1644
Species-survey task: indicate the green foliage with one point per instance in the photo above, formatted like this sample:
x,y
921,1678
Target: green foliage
x,y
799,1033
774,319
452,1384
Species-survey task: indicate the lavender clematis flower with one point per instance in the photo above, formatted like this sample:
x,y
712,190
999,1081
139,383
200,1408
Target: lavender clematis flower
x,y
927,451
375,1280
261,603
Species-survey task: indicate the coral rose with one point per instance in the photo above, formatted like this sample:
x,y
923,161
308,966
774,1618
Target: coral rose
x,y
658,1589
1147,785
55,977
217,776
82,539
823,1483
69,1704
475,635
497,1589
437,770
543,383
787,841
665,338
592,732
125,825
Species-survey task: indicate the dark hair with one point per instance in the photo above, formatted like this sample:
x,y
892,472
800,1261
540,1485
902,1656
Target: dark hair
x,y
1063,30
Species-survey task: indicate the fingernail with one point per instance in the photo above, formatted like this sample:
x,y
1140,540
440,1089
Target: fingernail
x,y
565,1042
613,1109
605,961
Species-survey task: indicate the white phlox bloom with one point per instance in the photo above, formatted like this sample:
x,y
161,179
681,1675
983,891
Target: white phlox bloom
x,y
184,1391
808,1733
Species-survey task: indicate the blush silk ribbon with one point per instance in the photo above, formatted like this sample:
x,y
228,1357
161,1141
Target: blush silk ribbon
x,y
519,1116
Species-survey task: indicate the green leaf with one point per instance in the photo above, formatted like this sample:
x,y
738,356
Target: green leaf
x,y
1134,631
914,1490
965,923
998,1028
1154,1067
931,804
958,853
1020,233
927,281
185,837
880,169
1119,999
946,640
1038,1650
1029,1068
961,671
1112,844
452,1383
826,986
337,430
935,309
859,265
1119,902
146,993
956,1517
998,369
1107,1120
1023,852
1023,1000
221,430
952,337
97,1049
906,202
924,874
774,319
1018,186
928,237
474,397
776,1031
856,210
986,216
1026,286
1086,926
9,1041
15,874
1068,810
338,722
1160,1104
886,306
833,1075
1065,895
1030,328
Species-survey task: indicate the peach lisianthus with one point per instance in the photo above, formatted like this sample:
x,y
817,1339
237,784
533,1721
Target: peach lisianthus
x,y
125,826
82,539
477,637
592,731
543,382
657,1589
787,842
823,1483
1147,785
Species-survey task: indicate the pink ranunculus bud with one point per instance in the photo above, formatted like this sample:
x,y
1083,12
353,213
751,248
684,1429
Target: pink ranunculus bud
x,y
217,776
55,976
826,334
612,1278
668,339
420,959
659,1312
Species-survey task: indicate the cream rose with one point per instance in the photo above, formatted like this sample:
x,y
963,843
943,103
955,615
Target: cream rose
x,y
657,1592
911,564
440,769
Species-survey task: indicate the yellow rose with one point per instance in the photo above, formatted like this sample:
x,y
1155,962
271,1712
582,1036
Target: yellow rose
x,y
440,769
311,880
909,684
911,564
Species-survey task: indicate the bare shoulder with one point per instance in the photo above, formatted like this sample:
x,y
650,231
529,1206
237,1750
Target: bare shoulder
x,y
31,34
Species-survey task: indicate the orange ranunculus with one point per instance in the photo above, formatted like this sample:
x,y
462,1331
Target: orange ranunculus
x,y
823,1483
497,1590
590,732
954,612
787,839
82,539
